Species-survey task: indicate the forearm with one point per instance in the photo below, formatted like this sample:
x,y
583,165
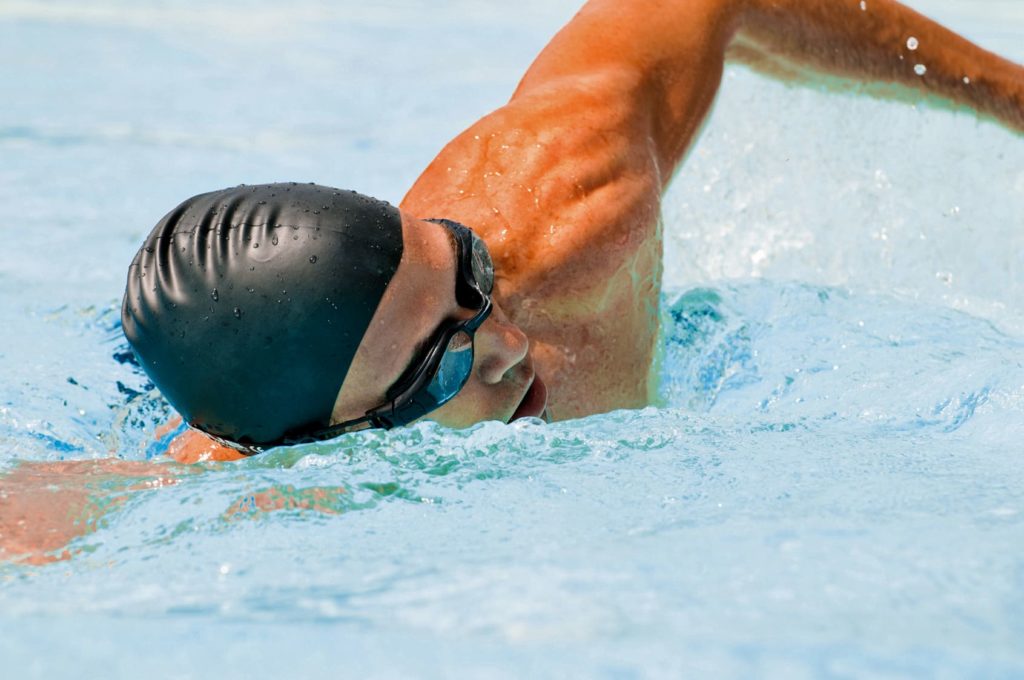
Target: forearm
x,y
670,55
46,505
878,41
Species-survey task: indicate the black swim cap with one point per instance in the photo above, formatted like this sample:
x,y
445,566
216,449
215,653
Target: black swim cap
x,y
245,306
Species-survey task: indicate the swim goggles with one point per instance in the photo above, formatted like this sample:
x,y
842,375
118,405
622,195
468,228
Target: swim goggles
x,y
444,367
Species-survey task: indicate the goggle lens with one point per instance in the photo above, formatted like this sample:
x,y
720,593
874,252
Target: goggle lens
x,y
454,369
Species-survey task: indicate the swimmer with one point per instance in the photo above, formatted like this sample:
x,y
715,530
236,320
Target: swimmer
x,y
520,275
547,269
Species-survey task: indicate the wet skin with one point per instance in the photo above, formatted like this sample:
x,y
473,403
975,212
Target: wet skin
x,y
564,184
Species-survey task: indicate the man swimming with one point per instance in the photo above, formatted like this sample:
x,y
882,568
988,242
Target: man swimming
x,y
561,185
402,314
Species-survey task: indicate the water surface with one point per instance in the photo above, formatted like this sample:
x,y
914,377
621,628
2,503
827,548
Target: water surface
x,y
831,486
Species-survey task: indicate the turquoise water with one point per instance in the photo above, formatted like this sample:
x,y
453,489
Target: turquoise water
x,y
832,486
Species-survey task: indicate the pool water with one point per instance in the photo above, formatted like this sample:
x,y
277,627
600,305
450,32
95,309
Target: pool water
x,y
831,486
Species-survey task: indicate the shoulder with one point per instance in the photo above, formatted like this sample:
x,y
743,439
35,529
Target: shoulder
x,y
564,135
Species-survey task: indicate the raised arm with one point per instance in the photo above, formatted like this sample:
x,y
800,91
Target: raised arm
x,y
675,50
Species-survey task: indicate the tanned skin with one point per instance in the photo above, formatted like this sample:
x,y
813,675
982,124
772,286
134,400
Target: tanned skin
x,y
565,181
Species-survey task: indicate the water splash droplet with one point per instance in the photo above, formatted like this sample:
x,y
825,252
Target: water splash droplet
x,y
238,313
312,259
215,295
920,69
912,43
273,241
967,81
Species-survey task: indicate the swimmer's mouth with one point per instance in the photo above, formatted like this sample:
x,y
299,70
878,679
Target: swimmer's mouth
x,y
534,402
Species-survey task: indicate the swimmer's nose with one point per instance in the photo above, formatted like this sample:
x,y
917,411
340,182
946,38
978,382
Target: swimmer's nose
x,y
499,346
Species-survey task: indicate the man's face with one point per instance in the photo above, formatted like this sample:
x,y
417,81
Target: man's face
x,y
419,298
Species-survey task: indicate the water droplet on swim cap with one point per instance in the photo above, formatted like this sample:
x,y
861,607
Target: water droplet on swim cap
x,y
239,385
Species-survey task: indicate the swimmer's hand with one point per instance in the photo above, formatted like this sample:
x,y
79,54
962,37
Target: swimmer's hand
x,y
192,446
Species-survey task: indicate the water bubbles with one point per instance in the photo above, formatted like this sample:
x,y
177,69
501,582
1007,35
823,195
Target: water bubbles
x,y
920,69
312,259
215,295
912,43
238,312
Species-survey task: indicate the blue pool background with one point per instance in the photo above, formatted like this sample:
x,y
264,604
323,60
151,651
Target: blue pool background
x,y
833,486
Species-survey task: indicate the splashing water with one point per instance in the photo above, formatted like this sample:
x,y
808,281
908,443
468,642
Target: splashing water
x,y
829,484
